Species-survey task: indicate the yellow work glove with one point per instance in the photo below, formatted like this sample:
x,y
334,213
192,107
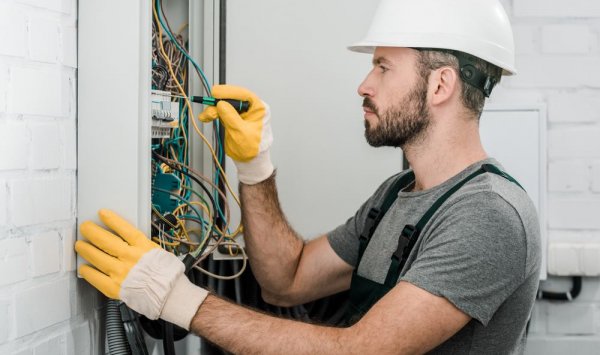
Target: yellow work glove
x,y
130,267
248,136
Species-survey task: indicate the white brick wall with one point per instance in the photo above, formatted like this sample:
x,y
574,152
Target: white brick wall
x,y
43,36
568,176
45,253
558,39
32,313
44,308
581,106
595,178
13,30
13,264
36,201
557,8
558,62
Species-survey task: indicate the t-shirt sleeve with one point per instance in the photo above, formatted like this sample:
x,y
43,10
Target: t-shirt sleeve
x,y
344,238
474,255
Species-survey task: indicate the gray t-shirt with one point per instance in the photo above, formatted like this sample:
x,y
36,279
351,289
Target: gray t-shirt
x,y
480,250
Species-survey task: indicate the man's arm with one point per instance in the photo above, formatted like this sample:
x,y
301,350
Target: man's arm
x,y
288,270
408,320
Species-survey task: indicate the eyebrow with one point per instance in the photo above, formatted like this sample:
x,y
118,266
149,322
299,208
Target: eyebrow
x,y
381,60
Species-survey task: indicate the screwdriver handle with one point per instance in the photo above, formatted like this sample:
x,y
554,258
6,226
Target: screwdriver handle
x,y
239,105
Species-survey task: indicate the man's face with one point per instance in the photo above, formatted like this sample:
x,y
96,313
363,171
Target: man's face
x,y
395,98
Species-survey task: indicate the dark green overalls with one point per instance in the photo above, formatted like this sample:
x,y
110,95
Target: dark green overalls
x,y
364,293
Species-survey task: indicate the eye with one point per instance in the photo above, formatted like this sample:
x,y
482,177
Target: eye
x,y
383,68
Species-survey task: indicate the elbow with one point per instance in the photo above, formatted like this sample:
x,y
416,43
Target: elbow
x,y
280,300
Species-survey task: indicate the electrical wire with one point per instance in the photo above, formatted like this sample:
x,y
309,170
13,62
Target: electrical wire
x,y
231,277
194,124
175,40
160,18
179,198
212,211
171,163
163,21
197,174
189,171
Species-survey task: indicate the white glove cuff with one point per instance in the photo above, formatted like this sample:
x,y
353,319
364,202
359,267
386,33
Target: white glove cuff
x,y
256,170
183,302
150,281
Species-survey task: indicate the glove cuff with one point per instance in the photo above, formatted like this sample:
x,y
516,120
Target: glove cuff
x,y
183,302
256,170
150,281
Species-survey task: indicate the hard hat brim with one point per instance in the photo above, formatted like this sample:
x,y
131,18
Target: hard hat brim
x,y
368,46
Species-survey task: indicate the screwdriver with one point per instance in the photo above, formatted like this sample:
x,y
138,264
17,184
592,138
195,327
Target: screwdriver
x,y
240,106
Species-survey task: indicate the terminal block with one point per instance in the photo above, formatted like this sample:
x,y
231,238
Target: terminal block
x,y
165,114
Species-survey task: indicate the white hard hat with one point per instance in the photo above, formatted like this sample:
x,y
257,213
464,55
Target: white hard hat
x,y
477,27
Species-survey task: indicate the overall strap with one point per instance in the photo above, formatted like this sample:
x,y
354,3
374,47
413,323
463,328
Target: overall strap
x,y
410,233
376,214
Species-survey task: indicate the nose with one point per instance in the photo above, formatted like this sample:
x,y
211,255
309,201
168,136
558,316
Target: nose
x,y
365,89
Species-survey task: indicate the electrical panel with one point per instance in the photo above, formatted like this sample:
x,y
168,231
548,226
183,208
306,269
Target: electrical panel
x,y
145,155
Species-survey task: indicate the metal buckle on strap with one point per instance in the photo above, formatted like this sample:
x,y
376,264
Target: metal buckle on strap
x,y
409,233
372,217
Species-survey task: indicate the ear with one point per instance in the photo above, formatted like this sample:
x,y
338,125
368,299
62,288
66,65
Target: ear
x,y
443,85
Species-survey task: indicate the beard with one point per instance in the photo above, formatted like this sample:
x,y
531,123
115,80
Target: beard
x,y
401,124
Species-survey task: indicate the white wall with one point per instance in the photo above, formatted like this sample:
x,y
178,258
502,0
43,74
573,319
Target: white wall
x,y
42,307
558,59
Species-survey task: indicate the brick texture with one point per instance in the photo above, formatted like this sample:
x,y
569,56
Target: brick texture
x,y
596,177
38,78
13,261
12,30
561,39
39,201
45,253
580,106
36,91
41,306
579,213
43,39
557,9
568,176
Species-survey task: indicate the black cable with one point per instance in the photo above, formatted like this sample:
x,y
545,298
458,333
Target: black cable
x,y
162,84
222,80
564,296
168,338
133,330
191,176
115,331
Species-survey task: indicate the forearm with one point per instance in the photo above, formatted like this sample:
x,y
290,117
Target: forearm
x,y
244,331
273,247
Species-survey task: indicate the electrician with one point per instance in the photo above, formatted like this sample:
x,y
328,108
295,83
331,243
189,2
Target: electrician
x,y
444,257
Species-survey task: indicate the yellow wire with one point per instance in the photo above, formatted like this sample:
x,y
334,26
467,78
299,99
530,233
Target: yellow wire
x,y
204,208
208,228
239,273
181,28
159,241
191,112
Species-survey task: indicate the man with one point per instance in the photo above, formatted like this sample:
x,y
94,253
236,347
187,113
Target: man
x,y
443,257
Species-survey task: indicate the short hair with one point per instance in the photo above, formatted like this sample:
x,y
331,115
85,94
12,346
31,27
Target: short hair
x,y
472,98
